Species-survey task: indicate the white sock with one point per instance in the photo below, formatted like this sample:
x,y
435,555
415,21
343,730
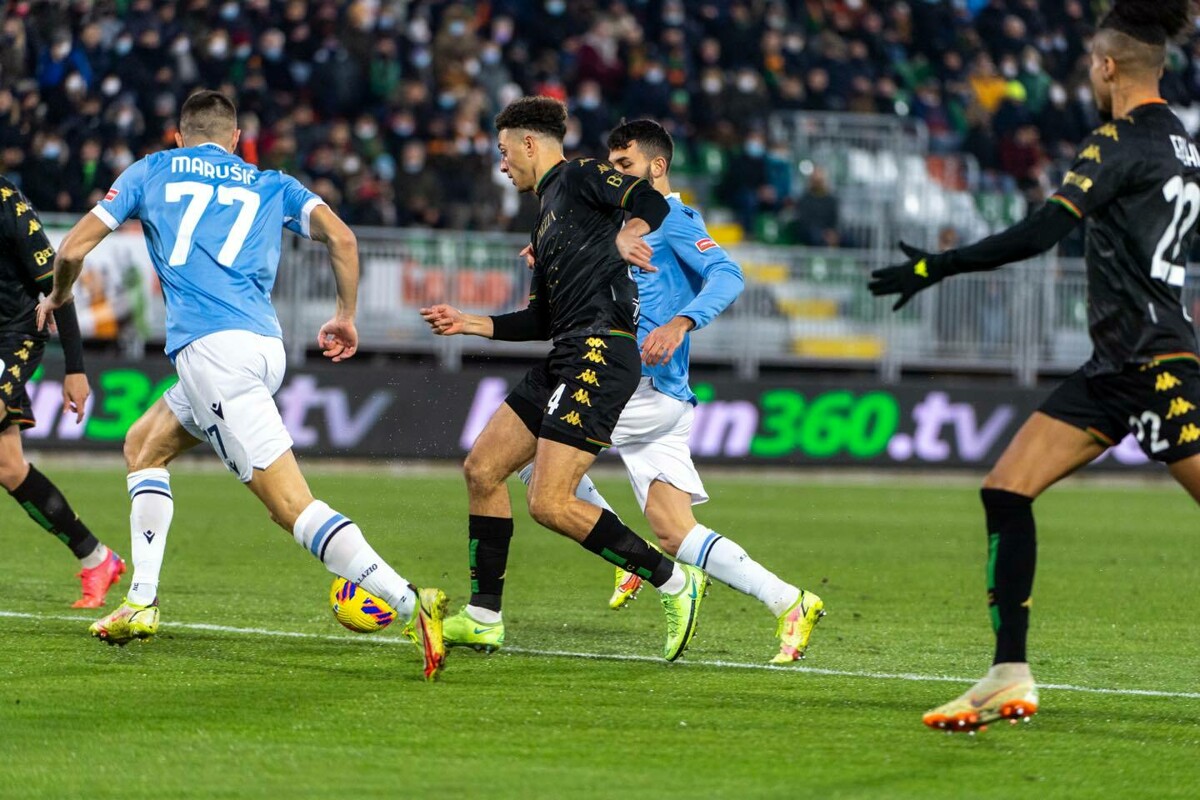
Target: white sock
x,y
340,546
151,509
586,491
725,560
484,615
94,558
676,583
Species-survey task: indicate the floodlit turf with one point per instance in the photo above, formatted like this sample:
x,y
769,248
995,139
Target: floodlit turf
x,y
210,713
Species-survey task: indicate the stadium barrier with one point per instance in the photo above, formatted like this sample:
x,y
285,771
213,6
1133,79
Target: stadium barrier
x,y
390,410
802,307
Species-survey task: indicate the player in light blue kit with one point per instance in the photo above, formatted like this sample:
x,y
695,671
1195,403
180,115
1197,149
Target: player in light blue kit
x,y
213,225
694,282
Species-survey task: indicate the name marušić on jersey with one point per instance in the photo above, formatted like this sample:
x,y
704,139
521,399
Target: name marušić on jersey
x,y
240,173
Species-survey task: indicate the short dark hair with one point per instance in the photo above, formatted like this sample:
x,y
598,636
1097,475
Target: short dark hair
x,y
207,114
650,136
543,115
1152,22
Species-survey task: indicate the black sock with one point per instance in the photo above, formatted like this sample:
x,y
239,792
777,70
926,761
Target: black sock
x,y
46,506
614,542
489,541
1012,556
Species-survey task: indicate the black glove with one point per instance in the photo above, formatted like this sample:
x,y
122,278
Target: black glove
x,y
921,271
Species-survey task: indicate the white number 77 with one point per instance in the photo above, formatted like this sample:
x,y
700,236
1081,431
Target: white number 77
x,y
201,194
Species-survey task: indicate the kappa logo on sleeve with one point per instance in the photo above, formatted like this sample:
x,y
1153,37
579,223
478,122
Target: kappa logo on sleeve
x,y
706,244
112,195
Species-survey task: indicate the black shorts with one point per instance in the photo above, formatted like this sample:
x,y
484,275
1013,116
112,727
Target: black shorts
x,y
1159,403
577,394
20,355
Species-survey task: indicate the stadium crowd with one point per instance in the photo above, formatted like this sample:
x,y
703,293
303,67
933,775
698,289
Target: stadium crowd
x,y
384,107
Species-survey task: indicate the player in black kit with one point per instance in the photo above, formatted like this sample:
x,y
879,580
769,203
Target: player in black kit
x,y
27,269
563,413
1136,183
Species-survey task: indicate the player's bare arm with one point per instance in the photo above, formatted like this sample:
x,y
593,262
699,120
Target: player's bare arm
x,y
338,337
445,320
632,246
79,241
662,342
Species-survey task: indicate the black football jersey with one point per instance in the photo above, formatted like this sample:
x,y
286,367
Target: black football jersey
x,y
26,262
581,285
1136,182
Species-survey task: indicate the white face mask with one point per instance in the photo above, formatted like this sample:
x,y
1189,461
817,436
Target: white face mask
x,y
110,86
711,85
746,83
1058,95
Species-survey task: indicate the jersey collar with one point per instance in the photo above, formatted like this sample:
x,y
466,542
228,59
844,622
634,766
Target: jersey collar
x,y
552,171
212,144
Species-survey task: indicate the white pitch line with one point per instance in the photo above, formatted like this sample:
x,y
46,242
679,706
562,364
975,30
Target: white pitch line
x,y
719,664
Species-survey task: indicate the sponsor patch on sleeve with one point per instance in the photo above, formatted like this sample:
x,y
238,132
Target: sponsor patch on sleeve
x,y
112,195
705,244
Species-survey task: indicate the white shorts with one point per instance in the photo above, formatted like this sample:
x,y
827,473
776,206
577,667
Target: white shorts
x,y
652,439
226,384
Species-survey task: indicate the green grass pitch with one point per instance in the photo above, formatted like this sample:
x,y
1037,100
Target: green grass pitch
x,y
202,712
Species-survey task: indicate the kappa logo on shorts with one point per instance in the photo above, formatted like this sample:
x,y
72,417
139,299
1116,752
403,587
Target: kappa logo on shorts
x,y
581,396
1179,407
573,418
1189,434
22,354
595,356
595,341
1165,381
15,370
588,376
6,387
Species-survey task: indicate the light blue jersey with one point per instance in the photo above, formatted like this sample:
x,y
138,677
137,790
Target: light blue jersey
x,y
213,225
695,279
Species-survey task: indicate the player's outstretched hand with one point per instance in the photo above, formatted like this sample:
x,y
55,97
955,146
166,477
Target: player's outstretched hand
x,y
338,339
662,342
444,320
527,254
921,271
634,250
75,395
45,312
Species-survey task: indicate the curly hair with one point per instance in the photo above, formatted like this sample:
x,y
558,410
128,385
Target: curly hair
x,y
1151,22
543,115
650,136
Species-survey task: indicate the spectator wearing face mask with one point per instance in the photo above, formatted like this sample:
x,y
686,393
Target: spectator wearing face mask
x,y
746,186
45,172
648,95
816,214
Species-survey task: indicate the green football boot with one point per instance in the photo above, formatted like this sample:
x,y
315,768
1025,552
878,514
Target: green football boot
x,y
462,630
130,621
682,609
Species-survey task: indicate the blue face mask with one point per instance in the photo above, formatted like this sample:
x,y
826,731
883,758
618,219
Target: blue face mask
x,y
755,149
123,46
556,7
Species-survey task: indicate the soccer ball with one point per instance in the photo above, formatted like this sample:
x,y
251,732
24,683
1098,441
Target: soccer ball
x,y
358,609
